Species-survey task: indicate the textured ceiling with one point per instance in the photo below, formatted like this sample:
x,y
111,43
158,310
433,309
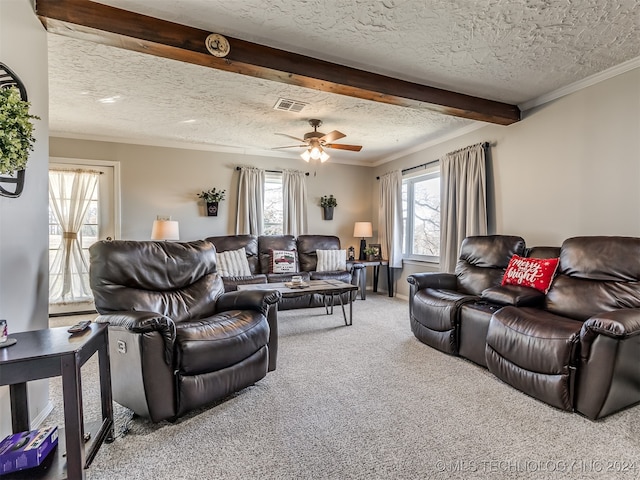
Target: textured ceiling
x,y
505,50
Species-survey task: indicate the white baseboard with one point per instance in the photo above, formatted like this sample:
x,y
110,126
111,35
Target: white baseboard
x,y
36,422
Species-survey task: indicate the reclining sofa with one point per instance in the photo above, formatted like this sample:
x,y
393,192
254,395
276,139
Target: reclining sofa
x,y
177,341
304,247
575,347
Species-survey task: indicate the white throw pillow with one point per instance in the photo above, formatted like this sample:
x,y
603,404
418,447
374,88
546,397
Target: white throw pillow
x,y
331,260
233,263
283,261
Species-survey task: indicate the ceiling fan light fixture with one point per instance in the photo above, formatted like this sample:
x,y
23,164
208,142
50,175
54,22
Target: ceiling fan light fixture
x,y
306,156
316,152
324,156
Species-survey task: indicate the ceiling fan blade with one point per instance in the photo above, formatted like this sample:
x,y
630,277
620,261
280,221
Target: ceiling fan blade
x,y
339,146
291,146
332,136
295,138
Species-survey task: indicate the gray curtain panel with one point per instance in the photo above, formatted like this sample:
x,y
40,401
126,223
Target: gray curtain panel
x,y
294,194
463,201
390,217
249,218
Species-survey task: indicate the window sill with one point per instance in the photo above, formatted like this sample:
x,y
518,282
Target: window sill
x,y
417,262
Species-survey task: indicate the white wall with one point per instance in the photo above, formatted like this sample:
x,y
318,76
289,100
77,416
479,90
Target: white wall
x,y
165,181
570,167
24,280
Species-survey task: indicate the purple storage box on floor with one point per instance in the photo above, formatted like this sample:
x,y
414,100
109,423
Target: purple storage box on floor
x,y
26,449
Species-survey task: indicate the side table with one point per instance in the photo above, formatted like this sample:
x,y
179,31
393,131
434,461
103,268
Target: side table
x,y
376,270
55,352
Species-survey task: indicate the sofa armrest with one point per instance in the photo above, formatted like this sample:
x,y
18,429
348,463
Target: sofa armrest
x,y
420,281
258,300
144,322
608,376
355,267
616,324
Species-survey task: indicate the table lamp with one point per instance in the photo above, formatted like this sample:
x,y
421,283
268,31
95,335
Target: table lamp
x,y
362,230
165,229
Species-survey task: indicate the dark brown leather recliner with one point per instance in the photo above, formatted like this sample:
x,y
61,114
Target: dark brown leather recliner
x,y
177,341
435,299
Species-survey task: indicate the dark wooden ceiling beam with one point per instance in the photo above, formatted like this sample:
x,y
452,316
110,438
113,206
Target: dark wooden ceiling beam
x,y
108,25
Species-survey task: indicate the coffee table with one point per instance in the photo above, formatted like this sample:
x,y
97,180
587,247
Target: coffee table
x,y
329,289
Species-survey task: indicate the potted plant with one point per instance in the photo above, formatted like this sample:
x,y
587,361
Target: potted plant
x,y
371,253
16,133
212,198
328,203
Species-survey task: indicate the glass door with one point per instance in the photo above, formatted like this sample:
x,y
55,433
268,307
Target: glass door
x,y
73,198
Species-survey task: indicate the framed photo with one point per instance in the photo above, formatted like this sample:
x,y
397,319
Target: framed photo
x,y
378,251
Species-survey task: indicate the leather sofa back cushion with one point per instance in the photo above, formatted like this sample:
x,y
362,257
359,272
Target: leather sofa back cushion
x,y
266,243
596,274
483,260
307,246
234,242
176,279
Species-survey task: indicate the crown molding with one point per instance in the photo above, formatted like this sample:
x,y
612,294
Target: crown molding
x,y
580,84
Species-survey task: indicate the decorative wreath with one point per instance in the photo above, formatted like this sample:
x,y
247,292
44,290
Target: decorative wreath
x,y
16,131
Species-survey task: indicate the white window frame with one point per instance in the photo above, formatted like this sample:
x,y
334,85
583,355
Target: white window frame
x,y
410,181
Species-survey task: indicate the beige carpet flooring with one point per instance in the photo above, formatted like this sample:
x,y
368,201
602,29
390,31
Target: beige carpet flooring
x,y
366,402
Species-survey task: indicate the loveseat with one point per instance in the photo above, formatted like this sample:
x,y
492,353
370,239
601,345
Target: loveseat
x,y
259,249
574,344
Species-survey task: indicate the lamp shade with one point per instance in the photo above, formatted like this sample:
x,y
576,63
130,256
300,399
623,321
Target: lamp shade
x,y
363,229
165,230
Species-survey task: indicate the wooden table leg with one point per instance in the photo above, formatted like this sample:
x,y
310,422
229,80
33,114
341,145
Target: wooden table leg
x,y
390,280
19,407
105,386
363,283
73,418
376,272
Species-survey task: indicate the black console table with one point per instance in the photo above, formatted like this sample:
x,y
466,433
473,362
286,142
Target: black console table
x,y
55,352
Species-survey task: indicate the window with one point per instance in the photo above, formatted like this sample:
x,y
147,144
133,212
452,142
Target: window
x,y
273,204
421,217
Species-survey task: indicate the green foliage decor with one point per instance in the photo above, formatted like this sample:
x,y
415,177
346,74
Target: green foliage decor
x,y
328,201
212,196
16,131
370,251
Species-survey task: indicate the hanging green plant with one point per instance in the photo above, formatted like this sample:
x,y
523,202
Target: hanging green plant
x,y
16,131
328,201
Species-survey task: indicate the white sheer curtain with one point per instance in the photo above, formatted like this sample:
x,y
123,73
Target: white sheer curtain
x,y
249,217
294,194
463,201
390,217
70,194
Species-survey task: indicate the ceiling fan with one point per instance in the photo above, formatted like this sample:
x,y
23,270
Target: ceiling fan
x,y
315,142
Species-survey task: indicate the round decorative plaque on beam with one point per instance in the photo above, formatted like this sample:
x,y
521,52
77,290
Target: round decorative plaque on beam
x,y
217,45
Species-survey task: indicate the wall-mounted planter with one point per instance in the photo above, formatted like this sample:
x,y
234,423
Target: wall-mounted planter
x,y
14,182
212,209
328,213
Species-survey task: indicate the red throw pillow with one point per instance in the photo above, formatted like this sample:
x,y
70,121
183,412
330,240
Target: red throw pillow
x,y
531,272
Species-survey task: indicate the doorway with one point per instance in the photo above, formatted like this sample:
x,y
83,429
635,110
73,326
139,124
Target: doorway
x,y
83,208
